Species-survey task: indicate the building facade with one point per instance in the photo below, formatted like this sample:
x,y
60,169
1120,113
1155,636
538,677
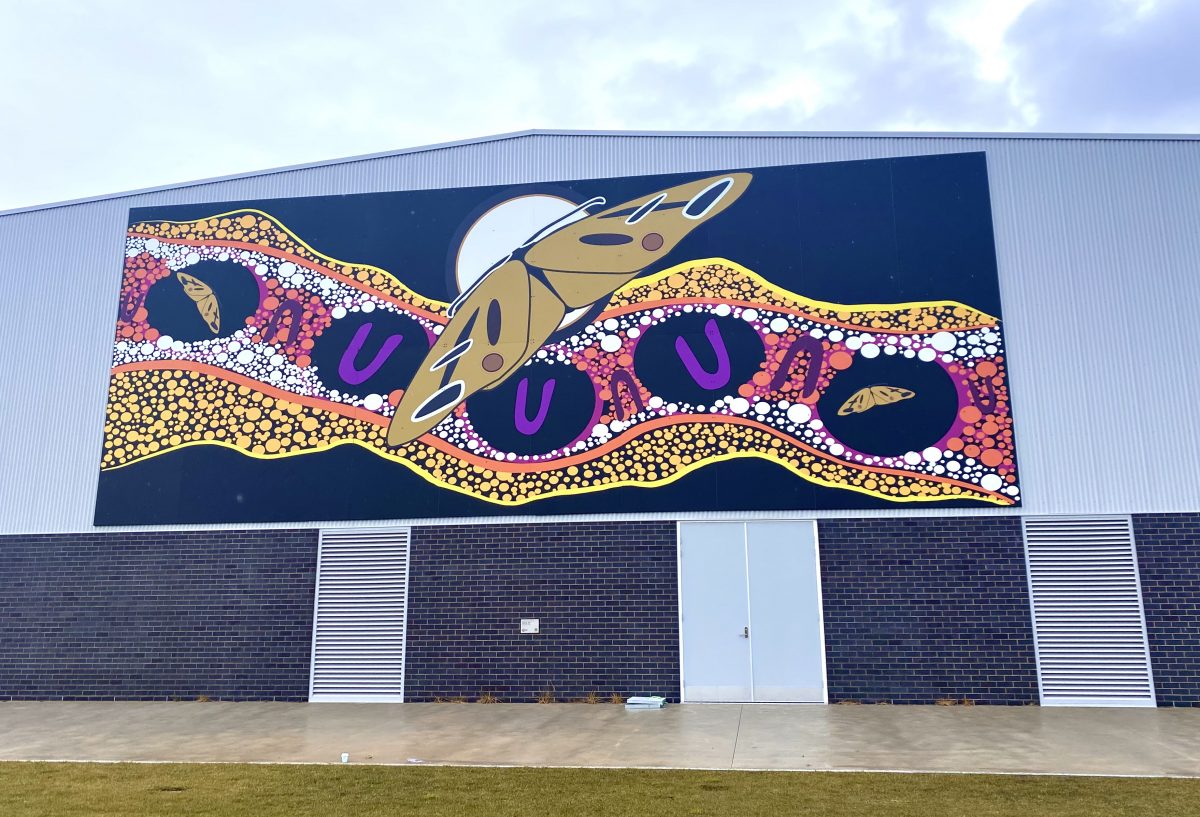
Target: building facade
x,y
720,417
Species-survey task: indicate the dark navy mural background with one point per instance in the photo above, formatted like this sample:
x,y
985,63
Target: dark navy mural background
x,y
879,231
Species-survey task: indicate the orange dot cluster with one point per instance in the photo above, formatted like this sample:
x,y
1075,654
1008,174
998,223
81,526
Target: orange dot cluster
x,y
985,431
777,347
736,285
141,272
600,366
259,231
155,410
152,411
294,333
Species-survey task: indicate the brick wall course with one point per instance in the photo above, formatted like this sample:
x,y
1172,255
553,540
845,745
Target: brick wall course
x,y
1168,548
922,609
916,609
157,615
605,595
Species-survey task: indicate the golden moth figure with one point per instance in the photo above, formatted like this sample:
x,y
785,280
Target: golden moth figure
x,y
501,321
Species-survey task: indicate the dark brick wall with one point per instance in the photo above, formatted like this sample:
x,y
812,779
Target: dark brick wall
x,y
146,615
918,609
1168,548
605,594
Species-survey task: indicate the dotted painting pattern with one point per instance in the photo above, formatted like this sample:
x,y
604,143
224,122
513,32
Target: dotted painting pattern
x,y
257,390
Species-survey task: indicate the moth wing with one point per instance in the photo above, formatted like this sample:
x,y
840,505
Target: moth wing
x,y
885,395
210,310
629,237
491,334
196,289
859,402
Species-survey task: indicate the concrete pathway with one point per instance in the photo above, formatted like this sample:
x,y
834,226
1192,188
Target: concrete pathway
x,y
701,736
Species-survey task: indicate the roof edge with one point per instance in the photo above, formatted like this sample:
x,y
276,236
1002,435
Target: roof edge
x,y
500,137
269,171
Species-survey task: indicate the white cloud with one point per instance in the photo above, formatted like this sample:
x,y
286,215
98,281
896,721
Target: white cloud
x,y
105,97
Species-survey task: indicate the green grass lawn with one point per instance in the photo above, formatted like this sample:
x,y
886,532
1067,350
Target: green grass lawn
x,y
228,790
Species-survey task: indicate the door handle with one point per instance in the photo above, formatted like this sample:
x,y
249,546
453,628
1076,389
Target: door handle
x,y
745,632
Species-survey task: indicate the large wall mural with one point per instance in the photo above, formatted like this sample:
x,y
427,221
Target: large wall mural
x,y
789,338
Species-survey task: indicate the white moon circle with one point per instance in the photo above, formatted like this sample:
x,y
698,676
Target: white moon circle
x,y
501,230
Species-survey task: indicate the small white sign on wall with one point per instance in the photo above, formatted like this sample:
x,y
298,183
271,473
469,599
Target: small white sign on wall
x,y
529,625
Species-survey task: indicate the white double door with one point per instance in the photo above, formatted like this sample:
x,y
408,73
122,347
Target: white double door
x,y
750,603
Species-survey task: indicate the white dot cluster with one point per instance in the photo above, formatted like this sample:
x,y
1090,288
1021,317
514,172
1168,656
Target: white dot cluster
x,y
266,363
798,419
459,431
241,352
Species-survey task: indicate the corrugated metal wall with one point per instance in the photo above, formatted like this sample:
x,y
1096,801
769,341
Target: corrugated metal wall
x,y
1099,251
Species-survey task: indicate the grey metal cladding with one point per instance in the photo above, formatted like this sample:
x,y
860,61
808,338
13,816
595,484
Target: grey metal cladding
x,y
1098,243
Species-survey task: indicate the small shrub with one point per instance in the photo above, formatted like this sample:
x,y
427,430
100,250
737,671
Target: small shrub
x,y
203,699
616,698
849,702
946,702
546,696
487,698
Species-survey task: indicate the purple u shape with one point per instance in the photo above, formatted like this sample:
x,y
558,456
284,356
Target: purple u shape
x,y
816,361
985,395
130,308
290,308
349,372
704,378
521,407
623,377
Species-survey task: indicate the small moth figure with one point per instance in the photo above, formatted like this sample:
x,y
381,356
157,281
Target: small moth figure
x,y
204,298
578,261
872,396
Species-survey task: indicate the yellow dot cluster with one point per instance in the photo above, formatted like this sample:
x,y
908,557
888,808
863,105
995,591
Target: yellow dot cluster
x,y
153,411
666,453
259,231
730,283
150,411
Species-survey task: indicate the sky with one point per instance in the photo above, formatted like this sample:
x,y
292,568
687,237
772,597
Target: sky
x,y
101,96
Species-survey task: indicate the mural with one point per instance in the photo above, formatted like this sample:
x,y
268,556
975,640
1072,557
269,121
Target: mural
x,y
571,355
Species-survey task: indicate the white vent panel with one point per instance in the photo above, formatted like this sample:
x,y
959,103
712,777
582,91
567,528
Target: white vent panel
x,y
360,616
1089,627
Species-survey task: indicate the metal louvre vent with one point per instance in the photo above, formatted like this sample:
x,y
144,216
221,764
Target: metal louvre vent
x,y
360,616
1089,628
